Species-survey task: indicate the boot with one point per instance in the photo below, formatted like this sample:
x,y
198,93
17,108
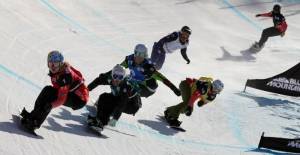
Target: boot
x,y
94,122
171,121
29,123
24,113
174,122
166,114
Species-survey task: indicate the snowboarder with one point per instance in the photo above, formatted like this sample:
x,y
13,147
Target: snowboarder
x,y
143,71
67,89
124,97
278,29
191,89
170,43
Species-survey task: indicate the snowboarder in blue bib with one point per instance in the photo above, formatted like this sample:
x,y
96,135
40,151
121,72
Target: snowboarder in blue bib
x,y
143,71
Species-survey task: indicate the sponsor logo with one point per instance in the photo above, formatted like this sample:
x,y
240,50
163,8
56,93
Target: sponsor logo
x,y
294,143
286,84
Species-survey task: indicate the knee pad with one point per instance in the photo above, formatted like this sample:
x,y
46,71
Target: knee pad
x,y
133,106
151,84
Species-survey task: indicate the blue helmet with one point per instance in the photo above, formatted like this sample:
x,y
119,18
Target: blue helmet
x,y
55,56
217,86
141,50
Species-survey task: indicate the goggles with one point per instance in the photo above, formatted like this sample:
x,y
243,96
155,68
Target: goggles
x,y
54,64
117,77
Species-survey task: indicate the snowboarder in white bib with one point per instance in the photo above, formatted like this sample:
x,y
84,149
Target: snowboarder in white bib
x,y
169,44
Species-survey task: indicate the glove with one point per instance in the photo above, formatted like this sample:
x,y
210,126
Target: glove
x,y
188,61
172,87
189,111
200,103
112,122
257,15
176,91
282,34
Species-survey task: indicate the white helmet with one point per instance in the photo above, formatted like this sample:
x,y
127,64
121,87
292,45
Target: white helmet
x,y
118,72
141,51
217,86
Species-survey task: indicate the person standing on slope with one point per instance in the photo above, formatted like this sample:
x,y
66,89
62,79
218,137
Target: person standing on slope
x,y
170,43
204,89
124,97
278,29
67,89
143,71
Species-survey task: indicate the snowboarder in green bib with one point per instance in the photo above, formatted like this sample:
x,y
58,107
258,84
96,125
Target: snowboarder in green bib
x,y
123,98
204,88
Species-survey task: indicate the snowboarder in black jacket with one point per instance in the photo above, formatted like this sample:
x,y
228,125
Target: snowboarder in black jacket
x,y
124,97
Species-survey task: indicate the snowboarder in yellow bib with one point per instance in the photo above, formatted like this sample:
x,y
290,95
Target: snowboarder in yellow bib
x,y
205,89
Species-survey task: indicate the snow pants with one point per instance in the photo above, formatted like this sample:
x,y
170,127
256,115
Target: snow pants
x,y
268,32
42,106
157,57
174,111
107,104
148,89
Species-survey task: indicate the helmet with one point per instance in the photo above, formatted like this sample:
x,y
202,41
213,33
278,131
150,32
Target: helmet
x,y
118,72
141,51
55,56
186,29
217,86
276,8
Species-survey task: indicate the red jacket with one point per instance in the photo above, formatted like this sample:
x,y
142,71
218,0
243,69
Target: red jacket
x,y
68,80
278,20
200,89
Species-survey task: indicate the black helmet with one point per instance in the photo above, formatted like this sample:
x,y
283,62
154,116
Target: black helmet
x,y
186,29
276,8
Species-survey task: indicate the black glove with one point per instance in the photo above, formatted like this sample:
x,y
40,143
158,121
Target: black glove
x,y
200,103
189,111
172,87
177,91
188,61
257,15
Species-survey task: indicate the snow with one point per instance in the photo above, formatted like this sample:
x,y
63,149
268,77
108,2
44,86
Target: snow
x,y
95,35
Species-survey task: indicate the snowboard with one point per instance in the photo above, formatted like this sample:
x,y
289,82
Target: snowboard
x,y
17,119
95,130
177,128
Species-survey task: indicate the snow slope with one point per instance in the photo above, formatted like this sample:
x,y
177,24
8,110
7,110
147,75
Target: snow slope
x,y
95,35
